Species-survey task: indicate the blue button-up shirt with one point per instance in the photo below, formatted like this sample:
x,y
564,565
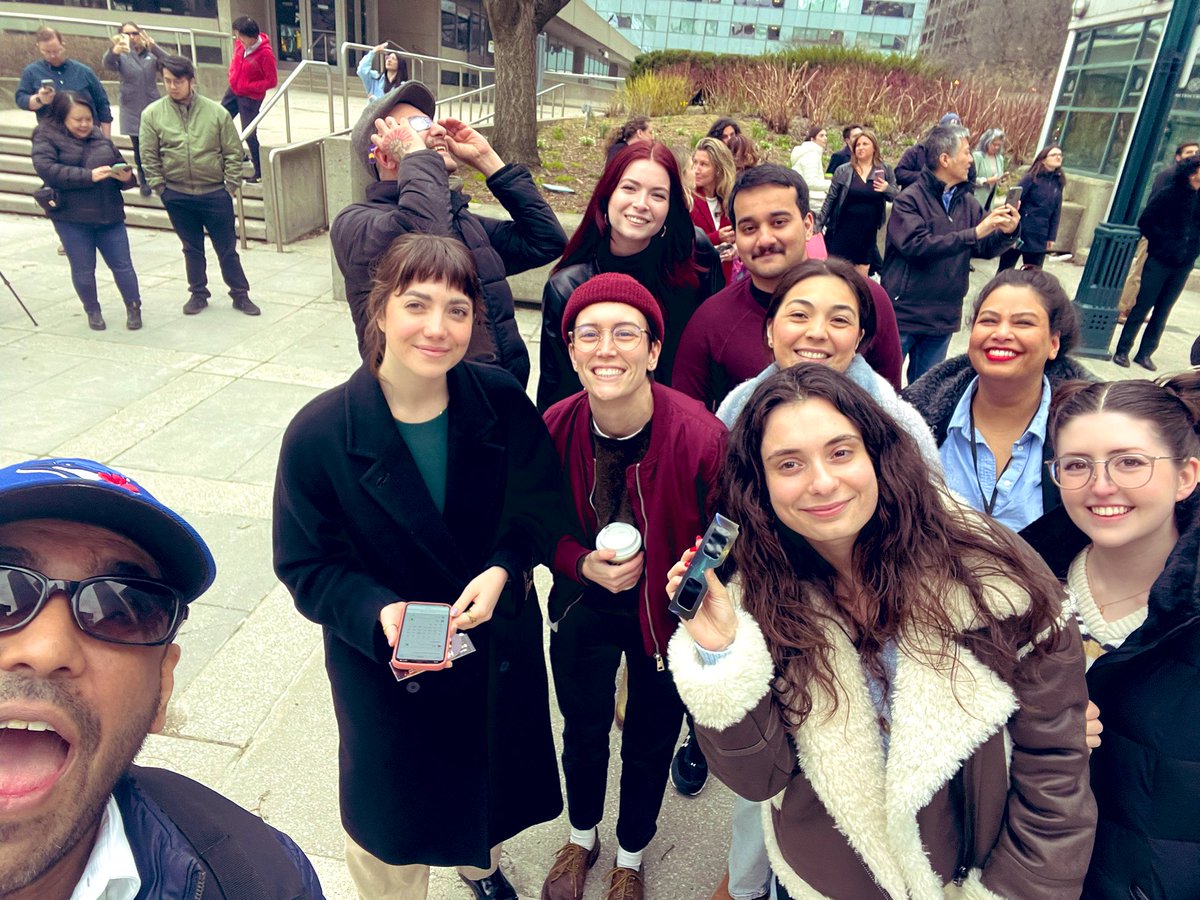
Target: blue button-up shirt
x,y
1019,498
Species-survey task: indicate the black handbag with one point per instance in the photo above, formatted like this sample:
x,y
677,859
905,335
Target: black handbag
x,y
48,199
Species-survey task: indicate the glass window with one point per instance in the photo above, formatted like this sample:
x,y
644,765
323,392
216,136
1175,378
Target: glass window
x,y
1122,129
1153,35
1115,43
772,32
712,27
1080,50
683,26
1101,87
1085,138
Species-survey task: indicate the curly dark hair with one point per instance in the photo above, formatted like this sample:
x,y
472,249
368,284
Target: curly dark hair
x,y
916,547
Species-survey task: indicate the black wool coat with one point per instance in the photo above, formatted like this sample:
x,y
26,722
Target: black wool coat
x,y
65,163
1041,206
441,767
1146,771
421,200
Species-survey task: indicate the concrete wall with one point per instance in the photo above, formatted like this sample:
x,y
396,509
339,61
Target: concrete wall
x,y
1092,195
301,208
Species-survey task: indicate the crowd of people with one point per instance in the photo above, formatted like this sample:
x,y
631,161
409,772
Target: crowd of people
x,y
951,652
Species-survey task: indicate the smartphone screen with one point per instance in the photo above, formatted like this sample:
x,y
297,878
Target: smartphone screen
x,y
423,633
1013,197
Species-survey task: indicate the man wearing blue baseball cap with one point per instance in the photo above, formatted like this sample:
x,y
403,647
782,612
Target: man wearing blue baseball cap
x,y
95,579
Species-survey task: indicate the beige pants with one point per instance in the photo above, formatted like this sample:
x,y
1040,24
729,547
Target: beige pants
x,y
376,880
1134,282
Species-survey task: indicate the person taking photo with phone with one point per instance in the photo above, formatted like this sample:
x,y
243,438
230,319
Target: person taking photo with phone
x,y
88,173
641,461
887,665
856,204
137,60
430,478
54,72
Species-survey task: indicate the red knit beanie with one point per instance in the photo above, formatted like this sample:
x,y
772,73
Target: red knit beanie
x,y
613,287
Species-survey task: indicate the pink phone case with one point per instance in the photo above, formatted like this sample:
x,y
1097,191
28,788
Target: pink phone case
x,y
408,665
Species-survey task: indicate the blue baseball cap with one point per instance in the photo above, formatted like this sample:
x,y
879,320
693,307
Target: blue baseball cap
x,y
80,490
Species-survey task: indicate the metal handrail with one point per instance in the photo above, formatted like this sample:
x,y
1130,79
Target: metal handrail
x,y
540,102
277,178
614,80
471,99
282,92
418,58
103,23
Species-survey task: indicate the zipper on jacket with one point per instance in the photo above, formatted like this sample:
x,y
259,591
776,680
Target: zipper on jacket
x,y
658,660
592,504
199,892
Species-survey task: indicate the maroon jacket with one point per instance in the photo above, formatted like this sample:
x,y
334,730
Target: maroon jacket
x,y
673,491
723,344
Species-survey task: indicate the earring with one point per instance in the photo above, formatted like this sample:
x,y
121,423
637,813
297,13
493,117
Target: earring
x,y
606,225
663,233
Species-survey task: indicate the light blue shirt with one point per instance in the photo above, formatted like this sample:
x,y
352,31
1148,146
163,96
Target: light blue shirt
x,y
1019,494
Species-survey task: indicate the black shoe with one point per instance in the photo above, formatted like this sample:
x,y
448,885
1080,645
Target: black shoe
x,y
254,179
494,887
196,304
96,321
1121,359
133,317
1146,363
246,305
689,768
145,189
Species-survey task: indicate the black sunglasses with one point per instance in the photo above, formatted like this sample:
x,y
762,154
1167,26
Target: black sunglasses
x,y
113,608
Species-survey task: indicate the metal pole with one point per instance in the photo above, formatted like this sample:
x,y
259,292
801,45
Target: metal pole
x,y
329,94
287,117
272,161
242,217
8,285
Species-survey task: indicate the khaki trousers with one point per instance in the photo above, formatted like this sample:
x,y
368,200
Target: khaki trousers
x,y
1134,282
376,880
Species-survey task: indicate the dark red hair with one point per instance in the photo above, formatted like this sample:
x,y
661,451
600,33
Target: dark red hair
x,y
678,243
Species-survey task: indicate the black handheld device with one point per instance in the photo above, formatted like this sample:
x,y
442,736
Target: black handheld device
x,y
714,547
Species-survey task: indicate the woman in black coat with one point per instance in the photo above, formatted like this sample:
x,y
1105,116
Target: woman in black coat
x,y
1040,207
638,222
1127,544
1170,223
84,167
856,205
426,478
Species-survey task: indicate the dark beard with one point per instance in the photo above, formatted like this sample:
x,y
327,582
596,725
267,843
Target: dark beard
x,y
60,830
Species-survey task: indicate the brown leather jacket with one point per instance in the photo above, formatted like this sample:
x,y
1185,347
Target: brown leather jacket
x,y
843,821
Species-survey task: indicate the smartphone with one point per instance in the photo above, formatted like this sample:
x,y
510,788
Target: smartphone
x,y
119,167
1013,197
721,248
878,175
48,83
424,640
714,547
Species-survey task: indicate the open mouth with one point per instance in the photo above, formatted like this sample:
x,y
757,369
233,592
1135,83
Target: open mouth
x,y
33,755
1000,354
812,355
607,372
1109,512
637,221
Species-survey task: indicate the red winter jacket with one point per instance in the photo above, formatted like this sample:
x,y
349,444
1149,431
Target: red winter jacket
x,y
254,74
673,491
702,218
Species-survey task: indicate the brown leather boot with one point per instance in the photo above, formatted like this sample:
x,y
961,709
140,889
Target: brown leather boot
x,y
569,872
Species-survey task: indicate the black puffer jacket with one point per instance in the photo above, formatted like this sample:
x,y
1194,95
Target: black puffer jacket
x,y
421,200
1146,771
927,261
556,378
1171,224
65,163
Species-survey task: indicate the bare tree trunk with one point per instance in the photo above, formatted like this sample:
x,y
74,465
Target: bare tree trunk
x,y
515,25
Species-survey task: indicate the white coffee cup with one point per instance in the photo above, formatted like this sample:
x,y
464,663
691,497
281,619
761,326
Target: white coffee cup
x,y
620,537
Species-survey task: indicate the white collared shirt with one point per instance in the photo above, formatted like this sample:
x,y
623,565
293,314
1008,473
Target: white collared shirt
x,y
111,873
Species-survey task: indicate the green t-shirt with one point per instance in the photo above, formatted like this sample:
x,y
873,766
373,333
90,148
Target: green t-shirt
x,y
428,442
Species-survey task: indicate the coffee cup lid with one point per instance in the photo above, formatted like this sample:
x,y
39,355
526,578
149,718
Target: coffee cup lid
x,y
619,536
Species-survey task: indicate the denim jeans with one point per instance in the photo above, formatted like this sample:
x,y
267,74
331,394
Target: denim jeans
x,y
924,351
81,241
191,215
749,868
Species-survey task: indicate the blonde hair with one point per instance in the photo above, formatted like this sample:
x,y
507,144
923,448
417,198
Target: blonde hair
x,y
722,161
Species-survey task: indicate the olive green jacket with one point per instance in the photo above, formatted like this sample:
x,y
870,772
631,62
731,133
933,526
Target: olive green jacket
x,y
190,147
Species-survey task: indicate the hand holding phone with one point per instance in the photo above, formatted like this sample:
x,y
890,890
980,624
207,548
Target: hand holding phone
x,y
1013,197
422,636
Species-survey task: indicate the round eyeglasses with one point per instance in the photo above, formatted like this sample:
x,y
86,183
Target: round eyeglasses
x,y
1125,470
112,608
626,336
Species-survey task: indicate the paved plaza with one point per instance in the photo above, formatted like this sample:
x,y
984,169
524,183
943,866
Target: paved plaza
x,y
194,408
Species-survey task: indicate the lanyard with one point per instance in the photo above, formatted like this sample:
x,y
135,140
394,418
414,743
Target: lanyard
x,y
989,505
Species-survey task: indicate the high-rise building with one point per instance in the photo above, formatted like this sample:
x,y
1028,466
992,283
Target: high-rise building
x,y
755,26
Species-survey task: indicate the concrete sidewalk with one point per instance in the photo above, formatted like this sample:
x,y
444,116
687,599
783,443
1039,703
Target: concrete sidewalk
x,y
195,408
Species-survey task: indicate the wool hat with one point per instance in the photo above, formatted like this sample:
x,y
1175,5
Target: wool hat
x,y
411,92
614,287
80,490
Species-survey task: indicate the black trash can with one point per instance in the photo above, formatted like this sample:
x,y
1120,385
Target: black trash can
x,y
1113,248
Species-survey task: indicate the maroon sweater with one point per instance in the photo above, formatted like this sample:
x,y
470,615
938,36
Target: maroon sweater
x,y
723,343
673,491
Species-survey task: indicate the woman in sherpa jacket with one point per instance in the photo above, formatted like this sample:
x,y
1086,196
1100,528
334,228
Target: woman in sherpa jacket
x,y
896,681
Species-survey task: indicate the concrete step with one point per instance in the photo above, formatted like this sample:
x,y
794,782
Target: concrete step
x,y
17,183
135,216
